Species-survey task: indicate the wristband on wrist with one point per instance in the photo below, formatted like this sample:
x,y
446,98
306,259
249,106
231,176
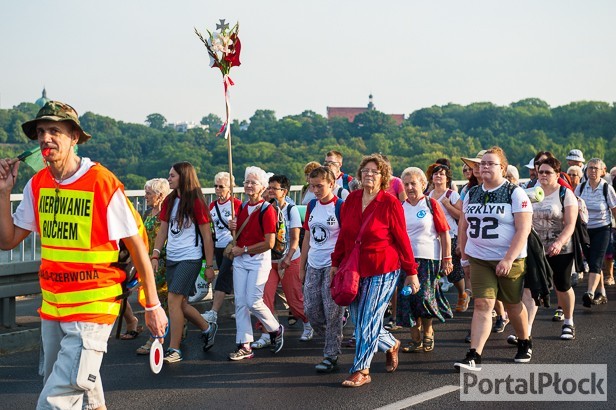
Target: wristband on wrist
x,y
209,266
156,250
447,257
464,263
152,308
154,257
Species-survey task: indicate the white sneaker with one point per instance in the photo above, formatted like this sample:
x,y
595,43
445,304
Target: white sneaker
x,y
211,316
261,343
307,335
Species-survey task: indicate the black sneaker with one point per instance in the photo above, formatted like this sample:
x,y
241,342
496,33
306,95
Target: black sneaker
x,y
467,339
512,340
525,351
208,336
345,317
471,362
277,339
587,299
500,324
599,299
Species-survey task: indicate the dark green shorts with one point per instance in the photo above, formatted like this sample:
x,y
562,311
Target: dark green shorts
x,y
486,284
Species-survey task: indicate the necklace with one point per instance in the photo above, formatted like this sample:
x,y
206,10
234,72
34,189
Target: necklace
x,y
365,202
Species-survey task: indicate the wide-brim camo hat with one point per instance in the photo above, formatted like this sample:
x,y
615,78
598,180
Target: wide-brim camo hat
x,y
470,162
55,111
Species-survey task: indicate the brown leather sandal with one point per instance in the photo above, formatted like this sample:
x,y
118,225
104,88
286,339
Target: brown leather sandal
x,y
357,379
391,363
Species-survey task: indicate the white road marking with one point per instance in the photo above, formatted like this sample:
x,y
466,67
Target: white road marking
x,y
420,398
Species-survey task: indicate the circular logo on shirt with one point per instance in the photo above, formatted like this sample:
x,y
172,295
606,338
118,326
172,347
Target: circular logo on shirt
x,y
319,233
174,228
421,214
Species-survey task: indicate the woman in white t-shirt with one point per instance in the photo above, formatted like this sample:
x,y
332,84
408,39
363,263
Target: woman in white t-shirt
x,y
220,213
428,231
554,221
601,204
322,228
185,226
441,177
492,233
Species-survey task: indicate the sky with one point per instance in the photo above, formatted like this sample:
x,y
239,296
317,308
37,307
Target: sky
x,y
127,59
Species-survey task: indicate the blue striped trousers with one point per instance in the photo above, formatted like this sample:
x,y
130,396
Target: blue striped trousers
x,y
367,311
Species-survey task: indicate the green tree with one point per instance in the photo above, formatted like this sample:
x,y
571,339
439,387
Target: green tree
x,y
156,121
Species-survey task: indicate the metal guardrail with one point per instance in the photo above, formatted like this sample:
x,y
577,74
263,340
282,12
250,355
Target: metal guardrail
x,y
19,267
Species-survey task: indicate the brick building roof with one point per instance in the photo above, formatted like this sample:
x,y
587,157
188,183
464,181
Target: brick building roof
x,y
350,113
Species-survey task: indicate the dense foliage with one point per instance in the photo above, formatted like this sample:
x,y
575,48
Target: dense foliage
x,y
137,152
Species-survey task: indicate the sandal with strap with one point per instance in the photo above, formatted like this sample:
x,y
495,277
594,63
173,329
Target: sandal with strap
x,y
145,349
413,347
567,332
357,379
328,365
131,334
428,343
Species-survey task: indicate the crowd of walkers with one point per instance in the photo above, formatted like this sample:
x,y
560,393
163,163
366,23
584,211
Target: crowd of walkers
x,y
503,246
418,236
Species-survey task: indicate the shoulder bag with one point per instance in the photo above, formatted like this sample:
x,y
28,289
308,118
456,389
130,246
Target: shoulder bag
x,y
345,283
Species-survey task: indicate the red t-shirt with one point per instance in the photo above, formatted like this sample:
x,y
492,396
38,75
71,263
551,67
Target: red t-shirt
x,y
255,230
385,246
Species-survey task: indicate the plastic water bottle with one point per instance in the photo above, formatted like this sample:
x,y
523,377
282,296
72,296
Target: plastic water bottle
x,y
406,291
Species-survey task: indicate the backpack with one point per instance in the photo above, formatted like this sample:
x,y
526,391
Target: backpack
x,y
281,244
337,208
345,181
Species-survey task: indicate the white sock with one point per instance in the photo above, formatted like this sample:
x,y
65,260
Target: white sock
x,y
265,336
569,322
602,290
530,328
307,326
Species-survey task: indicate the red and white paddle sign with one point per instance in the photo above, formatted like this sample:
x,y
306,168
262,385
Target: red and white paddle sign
x,y
156,357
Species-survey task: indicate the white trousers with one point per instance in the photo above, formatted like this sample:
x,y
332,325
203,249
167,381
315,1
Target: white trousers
x,y
249,277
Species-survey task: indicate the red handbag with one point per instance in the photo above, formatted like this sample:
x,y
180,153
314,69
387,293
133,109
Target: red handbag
x,y
345,284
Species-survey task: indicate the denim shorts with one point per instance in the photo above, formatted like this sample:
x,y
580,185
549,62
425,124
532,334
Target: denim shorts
x,y
71,357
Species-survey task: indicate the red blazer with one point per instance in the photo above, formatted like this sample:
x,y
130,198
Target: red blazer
x,y
385,245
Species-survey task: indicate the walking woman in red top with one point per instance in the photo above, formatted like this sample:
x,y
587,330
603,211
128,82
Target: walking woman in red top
x,y
384,249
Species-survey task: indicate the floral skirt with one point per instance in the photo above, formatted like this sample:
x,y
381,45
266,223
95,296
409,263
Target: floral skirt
x,y
429,302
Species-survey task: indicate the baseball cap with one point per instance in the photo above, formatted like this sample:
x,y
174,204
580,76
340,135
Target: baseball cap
x,y
575,155
55,111
531,164
472,161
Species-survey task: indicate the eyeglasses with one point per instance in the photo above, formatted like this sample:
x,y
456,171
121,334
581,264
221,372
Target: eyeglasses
x,y
593,168
368,171
488,164
574,175
252,183
275,189
219,186
545,172
336,163
465,170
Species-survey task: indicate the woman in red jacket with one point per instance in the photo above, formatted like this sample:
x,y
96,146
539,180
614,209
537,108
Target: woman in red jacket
x,y
385,248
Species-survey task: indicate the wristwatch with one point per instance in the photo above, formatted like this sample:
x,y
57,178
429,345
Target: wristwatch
x,y
245,249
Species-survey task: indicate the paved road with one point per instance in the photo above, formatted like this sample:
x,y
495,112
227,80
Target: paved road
x,y
288,381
